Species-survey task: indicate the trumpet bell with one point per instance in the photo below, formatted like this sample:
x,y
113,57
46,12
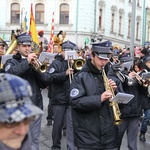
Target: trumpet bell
x,y
42,67
78,64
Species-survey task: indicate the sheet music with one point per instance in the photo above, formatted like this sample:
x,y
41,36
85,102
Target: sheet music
x,y
146,75
46,57
122,98
71,54
5,58
126,65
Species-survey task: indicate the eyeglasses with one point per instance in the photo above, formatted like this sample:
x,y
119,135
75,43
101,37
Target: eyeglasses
x,y
26,121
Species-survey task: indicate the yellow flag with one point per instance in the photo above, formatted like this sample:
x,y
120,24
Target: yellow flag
x,y
32,29
24,25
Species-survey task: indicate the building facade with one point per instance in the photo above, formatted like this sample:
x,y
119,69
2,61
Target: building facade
x,y
82,20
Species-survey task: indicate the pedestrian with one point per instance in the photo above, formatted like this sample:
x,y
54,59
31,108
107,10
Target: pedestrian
x,y
42,40
59,95
16,113
22,64
92,115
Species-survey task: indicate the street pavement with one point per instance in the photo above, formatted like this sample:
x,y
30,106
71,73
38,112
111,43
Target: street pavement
x,y
46,133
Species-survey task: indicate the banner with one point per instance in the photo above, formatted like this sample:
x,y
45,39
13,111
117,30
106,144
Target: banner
x,y
50,44
32,29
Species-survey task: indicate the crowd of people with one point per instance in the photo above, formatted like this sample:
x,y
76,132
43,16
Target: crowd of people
x,y
79,99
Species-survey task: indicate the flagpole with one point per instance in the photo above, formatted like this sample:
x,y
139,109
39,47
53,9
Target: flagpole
x,y
22,16
50,44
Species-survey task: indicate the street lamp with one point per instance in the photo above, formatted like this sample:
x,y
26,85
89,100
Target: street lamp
x,y
100,37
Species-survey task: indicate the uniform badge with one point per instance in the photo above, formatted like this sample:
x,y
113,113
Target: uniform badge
x,y
7,68
51,70
74,92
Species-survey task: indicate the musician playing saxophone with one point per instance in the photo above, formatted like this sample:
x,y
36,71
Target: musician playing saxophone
x,y
92,114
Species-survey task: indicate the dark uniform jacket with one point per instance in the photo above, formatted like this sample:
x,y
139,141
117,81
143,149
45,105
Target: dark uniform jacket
x,y
145,95
37,80
59,82
133,108
92,120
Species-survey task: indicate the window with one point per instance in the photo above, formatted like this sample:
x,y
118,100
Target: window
x,y
15,13
120,24
148,33
39,13
100,18
121,18
138,2
64,14
138,21
129,27
137,30
112,22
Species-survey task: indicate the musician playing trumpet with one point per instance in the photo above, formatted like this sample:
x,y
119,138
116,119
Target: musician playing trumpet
x,y
93,118
145,97
21,65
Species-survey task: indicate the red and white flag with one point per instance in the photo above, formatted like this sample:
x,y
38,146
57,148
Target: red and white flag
x,y
50,44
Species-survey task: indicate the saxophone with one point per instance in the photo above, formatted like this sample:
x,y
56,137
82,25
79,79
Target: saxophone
x,y
114,105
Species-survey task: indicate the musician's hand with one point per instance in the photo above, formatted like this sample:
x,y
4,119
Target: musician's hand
x,y
106,95
132,74
31,58
69,71
112,84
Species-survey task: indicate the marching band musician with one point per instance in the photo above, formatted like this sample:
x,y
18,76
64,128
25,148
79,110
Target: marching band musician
x,y
22,65
59,94
92,115
130,112
145,97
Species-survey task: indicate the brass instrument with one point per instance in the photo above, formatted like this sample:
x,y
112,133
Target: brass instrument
x,y
10,49
40,66
78,64
70,62
114,105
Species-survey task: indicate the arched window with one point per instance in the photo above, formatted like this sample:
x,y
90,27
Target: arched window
x,y
112,21
100,18
64,14
15,13
39,13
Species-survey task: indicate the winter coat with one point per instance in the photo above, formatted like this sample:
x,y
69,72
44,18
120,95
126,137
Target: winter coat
x,y
93,121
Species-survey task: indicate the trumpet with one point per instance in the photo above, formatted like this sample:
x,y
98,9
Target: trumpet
x,y
39,66
42,67
143,82
114,105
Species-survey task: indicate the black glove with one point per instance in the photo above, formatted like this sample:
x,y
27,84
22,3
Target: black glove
x,y
116,67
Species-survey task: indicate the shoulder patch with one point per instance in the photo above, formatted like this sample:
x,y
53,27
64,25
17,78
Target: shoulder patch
x,y
51,70
74,92
7,67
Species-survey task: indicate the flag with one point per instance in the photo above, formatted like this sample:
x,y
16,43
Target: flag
x,y
50,44
24,25
32,29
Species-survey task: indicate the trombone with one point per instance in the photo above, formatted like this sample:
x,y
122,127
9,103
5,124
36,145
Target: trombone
x,y
70,64
76,64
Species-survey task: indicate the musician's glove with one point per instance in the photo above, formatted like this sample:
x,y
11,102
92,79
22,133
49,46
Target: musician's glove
x,y
116,67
